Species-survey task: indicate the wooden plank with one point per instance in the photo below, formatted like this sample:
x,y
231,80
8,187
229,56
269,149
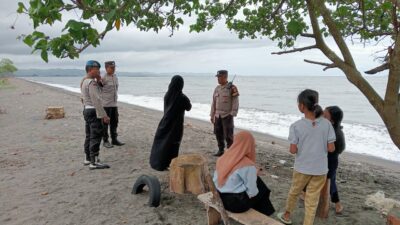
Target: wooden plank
x,y
323,205
251,217
213,216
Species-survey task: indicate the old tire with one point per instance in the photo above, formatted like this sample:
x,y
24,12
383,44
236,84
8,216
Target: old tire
x,y
154,188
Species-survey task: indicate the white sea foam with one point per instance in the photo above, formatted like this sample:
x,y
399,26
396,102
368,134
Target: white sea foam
x,y
366,139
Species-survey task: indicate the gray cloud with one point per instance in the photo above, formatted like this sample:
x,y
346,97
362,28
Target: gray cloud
x,y
188,52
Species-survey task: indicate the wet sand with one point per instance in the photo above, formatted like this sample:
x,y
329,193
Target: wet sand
x,y
43,181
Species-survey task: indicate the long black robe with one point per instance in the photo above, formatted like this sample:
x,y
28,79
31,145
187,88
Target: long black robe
x,y
170,129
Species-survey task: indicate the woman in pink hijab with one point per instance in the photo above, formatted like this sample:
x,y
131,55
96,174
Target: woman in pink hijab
x,y
236,178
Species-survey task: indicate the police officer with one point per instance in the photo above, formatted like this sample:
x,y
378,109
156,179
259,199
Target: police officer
x,y
94,115
224,107
110,96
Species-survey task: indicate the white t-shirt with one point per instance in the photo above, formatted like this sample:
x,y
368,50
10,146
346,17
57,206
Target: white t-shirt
x,y
312,145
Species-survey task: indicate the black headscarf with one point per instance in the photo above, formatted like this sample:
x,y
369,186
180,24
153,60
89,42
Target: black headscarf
x,y
174,91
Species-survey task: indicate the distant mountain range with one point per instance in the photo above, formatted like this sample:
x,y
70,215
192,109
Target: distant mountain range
x,y
79,73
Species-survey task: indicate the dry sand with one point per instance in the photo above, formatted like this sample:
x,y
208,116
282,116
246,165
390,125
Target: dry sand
x,y
43,181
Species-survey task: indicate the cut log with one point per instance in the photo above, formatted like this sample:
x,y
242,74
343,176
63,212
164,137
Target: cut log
x,y
323,206
55,112
188,174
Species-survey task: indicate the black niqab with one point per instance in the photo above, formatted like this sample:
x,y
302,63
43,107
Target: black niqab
x,y
170,129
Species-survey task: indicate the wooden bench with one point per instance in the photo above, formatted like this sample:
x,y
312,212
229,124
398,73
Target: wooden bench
x,y
250,217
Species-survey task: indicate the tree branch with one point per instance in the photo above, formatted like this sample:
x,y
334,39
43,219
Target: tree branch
x,y
307,35
327,65
276,11
335,32
378,69
294,50
319,40
351,72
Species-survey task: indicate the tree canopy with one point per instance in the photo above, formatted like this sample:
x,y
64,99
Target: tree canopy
x,y
7,67
284,21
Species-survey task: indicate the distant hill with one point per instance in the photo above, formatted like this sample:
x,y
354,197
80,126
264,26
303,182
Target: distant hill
x,y
79,73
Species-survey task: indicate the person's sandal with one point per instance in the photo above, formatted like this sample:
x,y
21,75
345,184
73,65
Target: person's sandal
x,y
280,217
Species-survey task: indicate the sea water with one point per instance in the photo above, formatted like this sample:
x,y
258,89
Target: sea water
x,y
267,104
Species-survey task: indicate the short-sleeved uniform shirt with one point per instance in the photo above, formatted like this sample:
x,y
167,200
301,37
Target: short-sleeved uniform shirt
x,y
312,145
110,90
225,101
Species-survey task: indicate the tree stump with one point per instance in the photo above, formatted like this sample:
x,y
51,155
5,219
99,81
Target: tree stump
x,y
188,174
55,112
323,206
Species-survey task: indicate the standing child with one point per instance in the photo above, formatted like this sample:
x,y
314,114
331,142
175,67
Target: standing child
x,y
310,139
335,115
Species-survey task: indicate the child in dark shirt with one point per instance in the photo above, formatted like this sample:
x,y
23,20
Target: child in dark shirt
x,y
335,115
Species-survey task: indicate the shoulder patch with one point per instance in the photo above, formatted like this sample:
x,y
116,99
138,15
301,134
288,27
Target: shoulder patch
x,y
234,91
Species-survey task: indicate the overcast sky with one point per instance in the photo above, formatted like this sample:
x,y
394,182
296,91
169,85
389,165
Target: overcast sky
x,y
136,51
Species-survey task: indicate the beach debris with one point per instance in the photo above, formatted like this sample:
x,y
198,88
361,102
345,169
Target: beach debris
x,y
282,161
44,193
72,174
154,188
55,112
382,204
274,176
273,142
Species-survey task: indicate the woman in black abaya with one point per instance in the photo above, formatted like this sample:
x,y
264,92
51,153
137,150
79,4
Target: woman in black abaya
x,y
170,129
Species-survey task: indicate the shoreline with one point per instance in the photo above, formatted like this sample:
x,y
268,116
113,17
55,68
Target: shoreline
x,y
43,181
346,155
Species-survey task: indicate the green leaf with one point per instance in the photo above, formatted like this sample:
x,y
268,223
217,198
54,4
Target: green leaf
x,y
294,27
28,40
44,55
21,7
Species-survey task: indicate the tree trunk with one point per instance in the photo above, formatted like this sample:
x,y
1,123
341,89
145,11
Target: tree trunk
x,y
188,174
387,108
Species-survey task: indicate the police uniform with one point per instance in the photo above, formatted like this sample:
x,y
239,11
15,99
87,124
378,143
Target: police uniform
x,y
93,114
224,107
110,98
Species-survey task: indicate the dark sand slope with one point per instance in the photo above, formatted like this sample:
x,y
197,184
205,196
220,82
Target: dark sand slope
x,y
43,181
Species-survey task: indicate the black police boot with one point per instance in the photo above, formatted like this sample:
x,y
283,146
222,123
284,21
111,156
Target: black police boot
x,y
97,164
107,144
117,143
219,153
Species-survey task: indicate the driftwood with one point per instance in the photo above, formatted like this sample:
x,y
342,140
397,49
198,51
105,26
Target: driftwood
x,y
55,112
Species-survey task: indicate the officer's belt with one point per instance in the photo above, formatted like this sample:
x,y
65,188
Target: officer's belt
x,y
89,107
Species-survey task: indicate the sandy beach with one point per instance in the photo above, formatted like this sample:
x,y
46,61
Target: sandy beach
x,y
43,180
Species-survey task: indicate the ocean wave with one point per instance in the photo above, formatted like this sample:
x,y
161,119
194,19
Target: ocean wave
x,y
365,139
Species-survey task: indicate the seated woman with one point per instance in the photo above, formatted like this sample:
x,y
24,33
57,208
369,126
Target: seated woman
x,y
170,129
236,178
